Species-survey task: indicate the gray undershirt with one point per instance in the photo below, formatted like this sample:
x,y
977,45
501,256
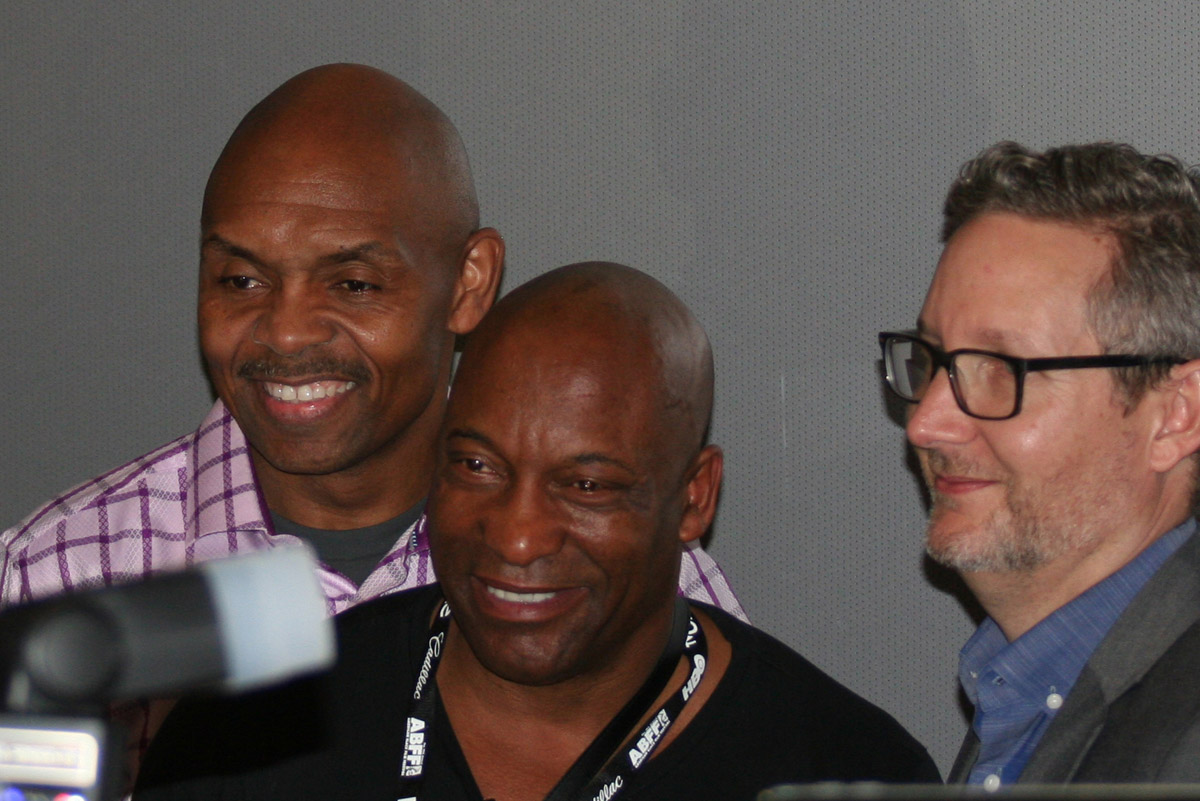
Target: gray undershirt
x,y
352,552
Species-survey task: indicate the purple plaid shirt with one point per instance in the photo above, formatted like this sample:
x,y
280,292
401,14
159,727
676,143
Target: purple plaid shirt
x,y
196,499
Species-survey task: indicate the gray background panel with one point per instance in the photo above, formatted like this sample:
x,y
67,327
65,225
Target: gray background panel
x,y
780,165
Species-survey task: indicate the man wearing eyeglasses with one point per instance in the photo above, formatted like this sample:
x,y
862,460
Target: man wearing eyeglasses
x,y
1054,378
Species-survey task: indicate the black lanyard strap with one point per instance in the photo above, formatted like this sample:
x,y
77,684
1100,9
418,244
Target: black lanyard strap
x,y
592,760
635,754
590,778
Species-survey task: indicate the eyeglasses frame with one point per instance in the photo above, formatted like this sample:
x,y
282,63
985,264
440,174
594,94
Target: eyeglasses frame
x,y
1020,367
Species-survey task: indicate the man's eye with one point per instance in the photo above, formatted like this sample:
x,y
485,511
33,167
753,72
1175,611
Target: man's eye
x,y
595,493
240,281
472,465
594,487
357,287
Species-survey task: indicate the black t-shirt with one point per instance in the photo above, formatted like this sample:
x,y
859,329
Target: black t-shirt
x,y
774,718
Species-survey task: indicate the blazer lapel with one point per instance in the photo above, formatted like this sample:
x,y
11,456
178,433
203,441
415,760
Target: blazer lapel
x,y
1158,616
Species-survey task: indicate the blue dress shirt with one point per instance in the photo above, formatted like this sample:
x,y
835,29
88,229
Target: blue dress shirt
x,y
1018,687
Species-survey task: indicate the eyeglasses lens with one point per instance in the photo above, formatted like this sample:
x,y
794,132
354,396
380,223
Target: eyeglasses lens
x,y
987,385
910,365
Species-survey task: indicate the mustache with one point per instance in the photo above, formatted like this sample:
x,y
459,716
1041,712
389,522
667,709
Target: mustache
x,y
267,369
939,463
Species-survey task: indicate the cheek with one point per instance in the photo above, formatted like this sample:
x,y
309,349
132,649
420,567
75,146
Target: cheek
x,y
397,340
220,331
452,518
633,545
1041,448
1028,452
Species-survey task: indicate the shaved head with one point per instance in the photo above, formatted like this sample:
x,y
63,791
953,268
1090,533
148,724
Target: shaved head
x,y
617,320
343,122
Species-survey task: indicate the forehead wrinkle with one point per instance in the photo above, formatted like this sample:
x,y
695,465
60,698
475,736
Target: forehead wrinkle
x,y
1012,343
367,235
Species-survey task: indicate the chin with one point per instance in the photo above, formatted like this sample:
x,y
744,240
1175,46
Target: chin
x,y
526,671
314,458
985,547
527,661
304,465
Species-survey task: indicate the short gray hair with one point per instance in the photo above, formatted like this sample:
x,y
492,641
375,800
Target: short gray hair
x,y
1149,204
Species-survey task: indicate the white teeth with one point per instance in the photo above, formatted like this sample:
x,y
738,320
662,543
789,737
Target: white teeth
x,y
308,392
521,597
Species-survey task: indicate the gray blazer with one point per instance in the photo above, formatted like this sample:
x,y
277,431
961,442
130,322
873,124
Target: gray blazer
x,y
1134,713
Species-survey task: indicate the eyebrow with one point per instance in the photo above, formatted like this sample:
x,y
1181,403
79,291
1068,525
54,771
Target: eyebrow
x,y
600,458
342,256
218,242
360,251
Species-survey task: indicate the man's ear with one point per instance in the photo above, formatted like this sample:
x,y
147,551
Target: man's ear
x,y
478,280
703,488
1178,435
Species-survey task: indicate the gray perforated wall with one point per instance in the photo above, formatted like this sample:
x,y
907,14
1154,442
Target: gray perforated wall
x,y
779,164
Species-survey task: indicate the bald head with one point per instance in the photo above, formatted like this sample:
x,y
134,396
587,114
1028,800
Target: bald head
x,y
616,321
354,124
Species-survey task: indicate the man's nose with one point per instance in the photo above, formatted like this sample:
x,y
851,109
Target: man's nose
x,y
523,526
937,418
292,321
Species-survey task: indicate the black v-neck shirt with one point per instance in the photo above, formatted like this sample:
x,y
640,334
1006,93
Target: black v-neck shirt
x,y
774,718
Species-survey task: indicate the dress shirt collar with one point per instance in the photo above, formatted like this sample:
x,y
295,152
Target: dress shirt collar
x,y
227,497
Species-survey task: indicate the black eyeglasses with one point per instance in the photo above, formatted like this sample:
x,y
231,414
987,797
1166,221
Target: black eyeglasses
x,y
986,385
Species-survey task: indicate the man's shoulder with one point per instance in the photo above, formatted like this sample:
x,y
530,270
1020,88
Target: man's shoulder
x,y
112,486
824,730
141,517
1156,621
1142,675
380,640
1150,732
92,534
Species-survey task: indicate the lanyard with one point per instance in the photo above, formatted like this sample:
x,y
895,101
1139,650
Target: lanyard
x,y
590,778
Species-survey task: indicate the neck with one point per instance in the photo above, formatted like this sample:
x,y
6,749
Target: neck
x,y
379,488
588,699
1020,599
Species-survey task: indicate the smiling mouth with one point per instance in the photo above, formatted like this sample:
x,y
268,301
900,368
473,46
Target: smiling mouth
x,y
519,597
306,393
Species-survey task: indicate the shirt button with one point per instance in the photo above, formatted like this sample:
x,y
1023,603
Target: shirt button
x,y
991,783
1054,700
